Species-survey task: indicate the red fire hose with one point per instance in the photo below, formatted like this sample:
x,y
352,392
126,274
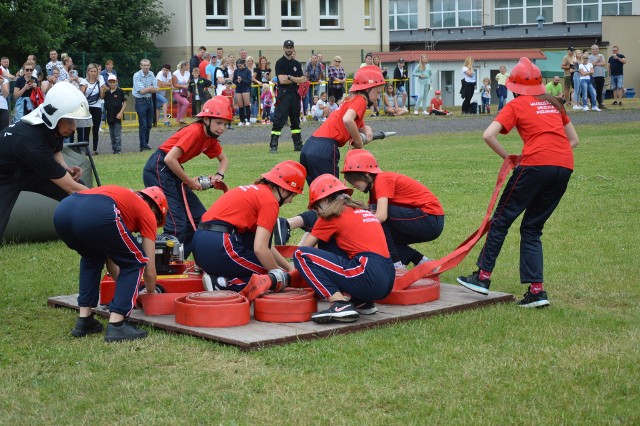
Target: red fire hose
x,y
221,308
291,305
159,303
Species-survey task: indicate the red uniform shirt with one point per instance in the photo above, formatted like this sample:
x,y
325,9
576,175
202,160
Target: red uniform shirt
x,y
435,104
135,212
229,94
193,140
203,68
541,127
246,208
334,128
355,231
403,191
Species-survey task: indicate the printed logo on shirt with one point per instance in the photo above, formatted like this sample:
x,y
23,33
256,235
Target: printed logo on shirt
x,y
544,107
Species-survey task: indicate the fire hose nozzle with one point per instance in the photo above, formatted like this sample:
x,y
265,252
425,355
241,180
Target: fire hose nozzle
x,y
205,182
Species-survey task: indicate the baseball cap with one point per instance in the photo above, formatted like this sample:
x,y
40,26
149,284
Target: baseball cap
x,y
401,60
228,82
288,43
571,48
112,77
438,92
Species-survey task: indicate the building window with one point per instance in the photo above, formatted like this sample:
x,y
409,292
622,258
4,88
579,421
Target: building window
x,y
403,15
255,14
291,12
368,14
515,12
217,12
456,13
592,10
329,13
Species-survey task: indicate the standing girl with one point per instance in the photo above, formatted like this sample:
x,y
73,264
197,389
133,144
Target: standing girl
x,y
232,242
423,73
485,95
242,78
501,90
164,168
577,61
352,255
93,89
180,82
408,210
537,183
469,81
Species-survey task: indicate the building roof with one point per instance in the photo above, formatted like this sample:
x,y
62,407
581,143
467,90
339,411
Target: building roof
x,y
461,55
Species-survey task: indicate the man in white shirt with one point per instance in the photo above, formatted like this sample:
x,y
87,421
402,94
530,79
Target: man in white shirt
x,y
164,85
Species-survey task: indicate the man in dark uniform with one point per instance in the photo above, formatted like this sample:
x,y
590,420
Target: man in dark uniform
x,y
31,150
290,74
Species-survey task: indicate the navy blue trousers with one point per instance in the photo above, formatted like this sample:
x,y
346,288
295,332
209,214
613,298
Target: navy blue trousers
x,y
231,256
406,226
366,277
536,191
92,226
157,173
320,156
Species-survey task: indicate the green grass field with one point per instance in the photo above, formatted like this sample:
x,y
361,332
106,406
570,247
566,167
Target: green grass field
x,y
573,363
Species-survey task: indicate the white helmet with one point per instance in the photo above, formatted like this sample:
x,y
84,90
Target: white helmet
x,y
64,100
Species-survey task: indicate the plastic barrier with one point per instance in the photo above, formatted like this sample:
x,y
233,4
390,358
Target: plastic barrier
x,y
221,308
159,304
291,305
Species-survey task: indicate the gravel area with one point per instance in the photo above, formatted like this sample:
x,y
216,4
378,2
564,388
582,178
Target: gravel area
x,y
410,125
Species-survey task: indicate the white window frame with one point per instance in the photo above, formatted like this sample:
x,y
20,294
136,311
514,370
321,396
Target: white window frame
x,y
457,11
369,22
412,7
580,4
544,7
253,17
289,16
327,16
215,6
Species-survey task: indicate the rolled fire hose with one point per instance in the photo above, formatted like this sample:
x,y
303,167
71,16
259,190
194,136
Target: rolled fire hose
x,y
159,303
221,308
421,291
291,305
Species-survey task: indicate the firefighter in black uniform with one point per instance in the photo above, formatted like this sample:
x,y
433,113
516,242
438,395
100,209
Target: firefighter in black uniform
x,y
30,150
289,73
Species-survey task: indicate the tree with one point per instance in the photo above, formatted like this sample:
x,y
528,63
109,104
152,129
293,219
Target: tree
x,y
30,27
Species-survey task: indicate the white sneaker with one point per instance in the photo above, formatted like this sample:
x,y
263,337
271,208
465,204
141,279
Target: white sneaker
x,y
577,107
207,283
416,112
425,112
247,123
595,108
241,124
586,108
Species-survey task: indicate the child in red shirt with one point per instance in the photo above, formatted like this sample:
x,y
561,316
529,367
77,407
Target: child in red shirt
x,y
409,212
436,105
537,183
230,94
164,168
352,255
233,241
98,224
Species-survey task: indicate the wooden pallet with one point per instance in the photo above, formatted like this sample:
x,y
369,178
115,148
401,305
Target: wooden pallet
x,y
258,334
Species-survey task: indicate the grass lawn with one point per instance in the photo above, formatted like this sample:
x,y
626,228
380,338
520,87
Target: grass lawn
x,y
575,362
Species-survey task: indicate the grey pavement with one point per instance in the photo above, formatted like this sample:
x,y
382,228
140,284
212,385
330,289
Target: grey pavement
x,y
411,125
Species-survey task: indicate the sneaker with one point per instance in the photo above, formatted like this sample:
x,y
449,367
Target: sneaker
x,y
126,331
620,103
586,108
615,103
373,114
601,106
258,285
247,123
341,311
425,112
100,129
416,112
241,124
538,300
595,108
207,282
366,308
282,233
85,326
577,107
167,123
474,283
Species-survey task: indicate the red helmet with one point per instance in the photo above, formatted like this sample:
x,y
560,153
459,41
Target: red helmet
x,y
218,107
155,194
289,175
367,77
323,186
360,160
526,79
438,92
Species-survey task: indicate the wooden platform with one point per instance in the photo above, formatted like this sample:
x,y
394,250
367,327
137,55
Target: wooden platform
x,y
258,334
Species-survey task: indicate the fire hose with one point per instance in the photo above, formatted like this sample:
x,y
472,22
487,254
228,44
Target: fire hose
x,y
205,182
291,305
221,308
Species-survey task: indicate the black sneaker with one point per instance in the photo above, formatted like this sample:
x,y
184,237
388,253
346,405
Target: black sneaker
x,y
282,232
538,300
366,308
474,283
126,331
85,326
340,311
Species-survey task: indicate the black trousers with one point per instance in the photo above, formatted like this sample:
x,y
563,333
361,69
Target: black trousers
x,y
287,105
598,84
